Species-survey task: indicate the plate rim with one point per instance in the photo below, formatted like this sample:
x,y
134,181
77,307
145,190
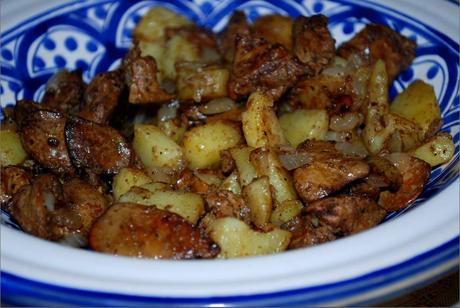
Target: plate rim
x,y
455,180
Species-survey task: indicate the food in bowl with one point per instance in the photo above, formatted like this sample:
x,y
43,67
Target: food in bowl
x,y
254,141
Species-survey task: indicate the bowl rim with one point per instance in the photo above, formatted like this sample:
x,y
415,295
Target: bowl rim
x,y
414,244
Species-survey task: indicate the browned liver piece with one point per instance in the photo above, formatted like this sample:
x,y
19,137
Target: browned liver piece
x,y
96,147
64,92
259,65
381,42
313,43
101,97
42,135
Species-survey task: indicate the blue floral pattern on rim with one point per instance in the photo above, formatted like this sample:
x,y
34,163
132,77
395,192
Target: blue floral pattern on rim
x,y
93,35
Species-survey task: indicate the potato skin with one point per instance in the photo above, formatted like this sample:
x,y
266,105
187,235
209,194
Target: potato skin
x,y
136,230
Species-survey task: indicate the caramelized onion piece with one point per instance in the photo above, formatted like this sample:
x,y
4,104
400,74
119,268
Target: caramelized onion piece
x,y
218,105
294,160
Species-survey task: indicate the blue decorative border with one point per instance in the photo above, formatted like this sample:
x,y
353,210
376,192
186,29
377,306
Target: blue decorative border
x,y
20,291
17,290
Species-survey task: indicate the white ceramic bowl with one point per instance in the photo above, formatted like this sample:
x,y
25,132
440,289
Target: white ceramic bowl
x,y
411,248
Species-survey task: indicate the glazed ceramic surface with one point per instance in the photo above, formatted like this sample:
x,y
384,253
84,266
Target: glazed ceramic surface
x,y
409,249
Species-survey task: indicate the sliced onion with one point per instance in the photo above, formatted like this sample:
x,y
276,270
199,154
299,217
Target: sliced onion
x,y
218,105
335,71
168,111
351,149
345,122
292,161
49,201
74,240
359,87
355,61
338,136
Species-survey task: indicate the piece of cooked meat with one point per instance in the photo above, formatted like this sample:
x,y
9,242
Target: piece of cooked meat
x,y
388,172
23,109
328,171
237,24
332,217
140,74
415,173
50,210
346,214
318,179
96,147
12,178
381,42
189,181
370,186
313,44
42,135
64,92
144,231
101,97
86,200
225,204
305,233
30,206
259,65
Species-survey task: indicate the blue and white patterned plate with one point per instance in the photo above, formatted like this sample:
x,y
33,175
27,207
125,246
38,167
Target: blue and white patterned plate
x,y
411,248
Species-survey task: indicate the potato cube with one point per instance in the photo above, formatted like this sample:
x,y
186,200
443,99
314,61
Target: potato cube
x,y
304,124
11,150
438,150
173,128
236,239
418,103
267,162
202,144
258,196
152,26
260,124
178,49
285,212
200,82
127,178
246,171
155,149
231,184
